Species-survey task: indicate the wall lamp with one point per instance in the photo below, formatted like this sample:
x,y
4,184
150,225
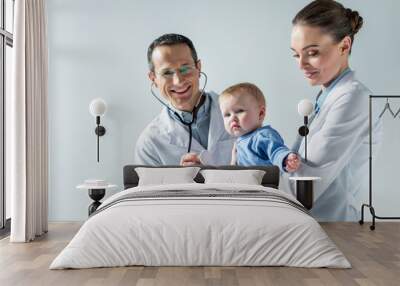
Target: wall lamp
x,y
98,108
304,108
305,185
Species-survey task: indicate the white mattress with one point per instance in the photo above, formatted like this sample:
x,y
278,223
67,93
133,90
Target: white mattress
x,y
183,231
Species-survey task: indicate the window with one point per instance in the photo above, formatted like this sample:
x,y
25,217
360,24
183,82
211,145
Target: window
x,y
6,44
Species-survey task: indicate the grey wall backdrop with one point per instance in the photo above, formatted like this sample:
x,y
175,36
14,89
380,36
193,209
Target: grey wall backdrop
x,y
97,48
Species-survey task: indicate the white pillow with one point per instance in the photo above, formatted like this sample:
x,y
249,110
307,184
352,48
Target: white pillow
x,y
165,176
248,177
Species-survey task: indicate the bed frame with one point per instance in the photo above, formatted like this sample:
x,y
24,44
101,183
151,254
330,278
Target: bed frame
x,y
270,179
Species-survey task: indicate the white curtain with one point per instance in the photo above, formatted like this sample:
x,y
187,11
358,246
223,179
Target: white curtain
x,y
27,123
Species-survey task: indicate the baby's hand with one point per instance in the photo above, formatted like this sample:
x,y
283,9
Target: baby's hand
x,y
292,162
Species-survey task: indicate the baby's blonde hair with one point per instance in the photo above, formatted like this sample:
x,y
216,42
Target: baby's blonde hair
x,y
244,89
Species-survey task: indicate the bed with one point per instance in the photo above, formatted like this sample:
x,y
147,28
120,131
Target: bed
x,y
201,224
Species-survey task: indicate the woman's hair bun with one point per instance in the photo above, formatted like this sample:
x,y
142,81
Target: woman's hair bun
x,y
356,21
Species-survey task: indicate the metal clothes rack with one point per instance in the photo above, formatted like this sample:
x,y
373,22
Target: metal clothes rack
x,y
369,205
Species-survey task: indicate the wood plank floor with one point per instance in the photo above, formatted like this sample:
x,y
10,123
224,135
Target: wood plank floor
x,y
374,255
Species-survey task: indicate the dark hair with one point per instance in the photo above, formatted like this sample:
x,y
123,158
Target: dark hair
x,y
169,40
332,17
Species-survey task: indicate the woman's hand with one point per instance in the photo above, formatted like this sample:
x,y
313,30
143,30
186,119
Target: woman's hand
x,y
292,162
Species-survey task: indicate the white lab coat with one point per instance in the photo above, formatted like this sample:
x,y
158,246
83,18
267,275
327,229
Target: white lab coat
x,y
338,152
165,140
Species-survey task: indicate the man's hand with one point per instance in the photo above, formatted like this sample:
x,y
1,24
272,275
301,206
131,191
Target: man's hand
x,y
292,162
190,159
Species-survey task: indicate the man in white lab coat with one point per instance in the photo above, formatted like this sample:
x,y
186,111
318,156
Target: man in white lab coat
x,y
189,129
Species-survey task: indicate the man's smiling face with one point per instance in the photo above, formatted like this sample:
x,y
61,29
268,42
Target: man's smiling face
x,y
176,75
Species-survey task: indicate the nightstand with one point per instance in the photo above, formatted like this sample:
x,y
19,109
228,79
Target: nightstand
x,y
305,190
96,190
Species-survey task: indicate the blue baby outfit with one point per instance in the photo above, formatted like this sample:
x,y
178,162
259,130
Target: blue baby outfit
x,y
263,146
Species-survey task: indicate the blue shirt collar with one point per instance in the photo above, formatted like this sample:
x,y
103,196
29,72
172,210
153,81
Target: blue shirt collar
x,y
328,89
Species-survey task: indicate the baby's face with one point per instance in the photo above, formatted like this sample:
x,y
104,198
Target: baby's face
x,y
242,114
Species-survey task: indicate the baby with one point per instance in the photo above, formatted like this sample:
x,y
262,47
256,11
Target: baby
x,y
243,109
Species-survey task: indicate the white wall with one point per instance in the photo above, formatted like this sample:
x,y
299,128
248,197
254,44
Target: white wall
x,y
98,48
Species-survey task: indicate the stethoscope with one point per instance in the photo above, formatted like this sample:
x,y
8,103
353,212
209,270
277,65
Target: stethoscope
x,y
193,112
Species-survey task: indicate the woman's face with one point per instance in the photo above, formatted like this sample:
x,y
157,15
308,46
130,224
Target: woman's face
x,y
318,56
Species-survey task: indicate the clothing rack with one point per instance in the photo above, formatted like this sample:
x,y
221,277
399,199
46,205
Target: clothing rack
x,y
369,205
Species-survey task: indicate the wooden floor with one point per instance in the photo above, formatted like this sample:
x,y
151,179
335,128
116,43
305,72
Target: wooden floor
x,y
374,255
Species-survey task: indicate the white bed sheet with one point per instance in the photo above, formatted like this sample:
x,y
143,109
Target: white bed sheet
x,y
200,231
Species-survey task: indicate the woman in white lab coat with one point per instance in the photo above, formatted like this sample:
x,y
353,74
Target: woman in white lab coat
x,y
322,38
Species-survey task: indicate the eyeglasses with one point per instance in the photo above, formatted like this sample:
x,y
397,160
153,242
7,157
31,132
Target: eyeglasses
x,y
185,70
